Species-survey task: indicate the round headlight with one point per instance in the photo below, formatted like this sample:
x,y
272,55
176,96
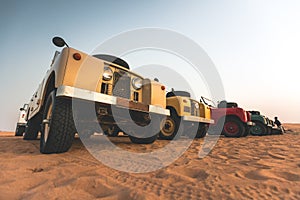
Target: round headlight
x,y
137,83
107,74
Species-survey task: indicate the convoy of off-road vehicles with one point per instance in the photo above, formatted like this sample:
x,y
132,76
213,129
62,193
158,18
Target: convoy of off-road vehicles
x,y
263,125
82,92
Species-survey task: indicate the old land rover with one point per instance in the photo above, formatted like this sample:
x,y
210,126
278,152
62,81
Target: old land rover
x,y
103,82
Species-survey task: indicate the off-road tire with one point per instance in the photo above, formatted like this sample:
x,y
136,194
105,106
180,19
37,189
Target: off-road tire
x,y
57,135
233,128
247,132
174,122
269,130
259,129
202,130
137,140
33,127
20,130
148,135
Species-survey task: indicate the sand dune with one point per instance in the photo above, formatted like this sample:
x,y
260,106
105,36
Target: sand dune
x,y
266,167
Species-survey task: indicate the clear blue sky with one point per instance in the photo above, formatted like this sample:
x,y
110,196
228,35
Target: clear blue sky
x,y
254,44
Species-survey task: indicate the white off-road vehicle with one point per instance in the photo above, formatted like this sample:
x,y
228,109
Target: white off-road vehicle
x,y
21,124
77,82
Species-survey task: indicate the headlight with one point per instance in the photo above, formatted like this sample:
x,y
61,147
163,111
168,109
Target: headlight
x,y
107,74
137,83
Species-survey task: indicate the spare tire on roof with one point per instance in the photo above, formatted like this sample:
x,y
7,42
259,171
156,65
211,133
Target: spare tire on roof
x,y
113,59
232,105
254,112
178,93
225,104
222,104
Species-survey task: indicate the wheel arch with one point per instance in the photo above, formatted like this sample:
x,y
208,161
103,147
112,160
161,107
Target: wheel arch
x,y
49,86
172,109
174,102
226,117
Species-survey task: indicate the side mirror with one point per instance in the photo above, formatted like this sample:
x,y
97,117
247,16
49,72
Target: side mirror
x,y
59,42
21,109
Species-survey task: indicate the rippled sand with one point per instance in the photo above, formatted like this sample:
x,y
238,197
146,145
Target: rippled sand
x,y
266,167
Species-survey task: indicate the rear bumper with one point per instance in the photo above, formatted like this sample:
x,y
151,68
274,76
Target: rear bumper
x,y
68,91
198,119
21,124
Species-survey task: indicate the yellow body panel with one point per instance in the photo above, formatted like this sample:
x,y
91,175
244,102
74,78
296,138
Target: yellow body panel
x,y
86,74
180,104
204,111
153,93
183,107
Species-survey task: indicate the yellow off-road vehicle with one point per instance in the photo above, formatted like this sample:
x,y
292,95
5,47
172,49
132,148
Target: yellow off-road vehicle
x,y
188,117
102,81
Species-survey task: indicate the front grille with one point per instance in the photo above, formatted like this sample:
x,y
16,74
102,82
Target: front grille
x,y
186,109
104,88
194,108
121,85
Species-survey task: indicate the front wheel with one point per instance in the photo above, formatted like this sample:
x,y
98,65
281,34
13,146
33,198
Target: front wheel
x,y
171,127
58,127
233,128
258,129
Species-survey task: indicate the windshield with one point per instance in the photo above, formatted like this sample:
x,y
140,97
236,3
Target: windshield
x,y
208,102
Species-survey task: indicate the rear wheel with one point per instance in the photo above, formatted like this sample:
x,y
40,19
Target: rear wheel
x,y
137,140
58,127
259,129
233,128
20,130
33,127
146,135
202,130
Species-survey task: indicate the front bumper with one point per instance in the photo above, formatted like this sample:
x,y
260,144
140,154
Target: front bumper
x,y
198,119
68,91
250,123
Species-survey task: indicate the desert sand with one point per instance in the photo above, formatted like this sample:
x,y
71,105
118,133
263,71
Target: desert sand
x,y
266,167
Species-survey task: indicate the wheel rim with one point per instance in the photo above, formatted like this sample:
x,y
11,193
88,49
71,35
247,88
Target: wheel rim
x,y
47,122
231,128
256,130
168,127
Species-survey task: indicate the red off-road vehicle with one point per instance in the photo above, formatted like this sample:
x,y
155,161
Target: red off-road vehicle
x,y
230,120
